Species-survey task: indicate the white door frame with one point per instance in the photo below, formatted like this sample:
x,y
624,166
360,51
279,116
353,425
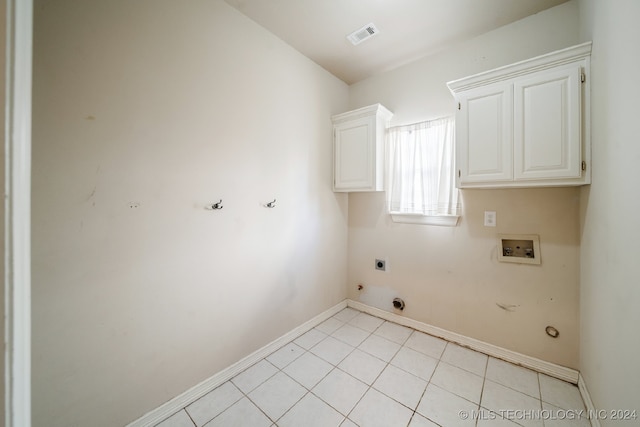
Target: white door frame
x,y
17,280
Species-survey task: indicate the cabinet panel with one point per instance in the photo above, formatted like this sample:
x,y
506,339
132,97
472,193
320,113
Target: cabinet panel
x,y
547,124
358,150
526,124
483,129
354,145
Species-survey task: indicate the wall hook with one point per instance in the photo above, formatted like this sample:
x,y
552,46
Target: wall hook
x,y
271,204
217,205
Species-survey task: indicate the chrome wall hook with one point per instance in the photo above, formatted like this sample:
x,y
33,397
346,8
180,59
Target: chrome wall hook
x,y
217,205
271,205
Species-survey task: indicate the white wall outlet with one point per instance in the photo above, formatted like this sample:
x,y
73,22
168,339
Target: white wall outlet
x,y
490,219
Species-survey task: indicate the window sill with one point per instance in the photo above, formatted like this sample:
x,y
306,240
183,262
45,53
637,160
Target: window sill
x,y
441,220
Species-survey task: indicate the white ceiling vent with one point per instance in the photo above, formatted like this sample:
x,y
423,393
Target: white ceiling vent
x,y
362,34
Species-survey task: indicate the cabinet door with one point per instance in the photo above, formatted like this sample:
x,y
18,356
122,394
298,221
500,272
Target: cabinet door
x,y
484,135
355,155
547,140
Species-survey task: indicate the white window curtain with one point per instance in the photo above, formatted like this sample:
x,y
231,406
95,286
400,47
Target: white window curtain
x,y
421,177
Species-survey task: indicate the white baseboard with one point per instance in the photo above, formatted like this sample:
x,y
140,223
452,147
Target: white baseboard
x,y
551,369
183,400
588,403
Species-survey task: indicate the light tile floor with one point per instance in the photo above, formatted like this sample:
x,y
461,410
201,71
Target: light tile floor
x,y
358,370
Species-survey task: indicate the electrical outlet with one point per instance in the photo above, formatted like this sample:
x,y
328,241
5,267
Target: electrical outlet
x,y
490,219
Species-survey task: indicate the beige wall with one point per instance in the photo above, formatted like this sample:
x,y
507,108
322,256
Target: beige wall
x,y
3,41
610,291
450,277
168,107
144,112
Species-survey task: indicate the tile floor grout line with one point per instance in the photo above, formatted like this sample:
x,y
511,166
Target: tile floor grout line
x,y
539,385
310,390
358,402
484,380
257,406
284,373
540,392
340,361
246,395
267,379
208,421
324,401
439,362
292,406
392,398
429,382
189,415
369,386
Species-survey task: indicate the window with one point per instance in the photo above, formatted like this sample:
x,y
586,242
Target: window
x,y
421,181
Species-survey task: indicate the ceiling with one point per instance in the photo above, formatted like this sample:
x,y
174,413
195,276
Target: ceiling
x,y
409,29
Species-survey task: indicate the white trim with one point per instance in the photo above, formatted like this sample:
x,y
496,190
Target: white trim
x,y
542,62
176,404
588,403
551,369
368,111
441,220
183,400
17,280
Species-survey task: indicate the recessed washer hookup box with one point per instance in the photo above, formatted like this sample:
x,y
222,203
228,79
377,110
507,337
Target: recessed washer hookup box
x,y
519,248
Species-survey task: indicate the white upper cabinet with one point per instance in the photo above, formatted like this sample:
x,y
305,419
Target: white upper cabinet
x,y
526,124
484,146
547,124
358,149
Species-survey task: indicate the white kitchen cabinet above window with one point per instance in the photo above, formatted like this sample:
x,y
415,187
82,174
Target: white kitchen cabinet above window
x,y
358,149
525,124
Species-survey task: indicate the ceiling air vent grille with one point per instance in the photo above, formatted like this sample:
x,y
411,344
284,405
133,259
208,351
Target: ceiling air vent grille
x,y
363,34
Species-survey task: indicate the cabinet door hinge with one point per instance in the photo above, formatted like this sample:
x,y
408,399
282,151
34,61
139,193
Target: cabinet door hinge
x,y
459,105
583,77
584,165
458,173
